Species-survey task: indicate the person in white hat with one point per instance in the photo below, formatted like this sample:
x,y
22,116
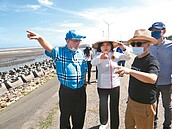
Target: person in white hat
x,y
162,50
71,68
142,90
108,84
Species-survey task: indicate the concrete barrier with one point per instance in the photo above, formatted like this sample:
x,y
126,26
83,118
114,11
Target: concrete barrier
x,y
13,84
27,77
3,89
24,74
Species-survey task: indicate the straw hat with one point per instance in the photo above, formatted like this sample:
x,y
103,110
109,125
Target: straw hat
x,y
84,45
114,43
142,35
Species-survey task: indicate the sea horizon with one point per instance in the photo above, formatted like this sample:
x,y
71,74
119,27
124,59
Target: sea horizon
x,y
14,51
14,48
37,59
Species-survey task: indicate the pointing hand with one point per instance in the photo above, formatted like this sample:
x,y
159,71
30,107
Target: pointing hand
x,y
32,35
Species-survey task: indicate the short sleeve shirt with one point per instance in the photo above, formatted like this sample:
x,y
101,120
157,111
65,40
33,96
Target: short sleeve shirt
x,y
71,66
139,91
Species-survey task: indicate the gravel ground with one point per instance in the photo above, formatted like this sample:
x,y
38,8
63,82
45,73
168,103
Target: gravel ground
x,y
92,117
92,113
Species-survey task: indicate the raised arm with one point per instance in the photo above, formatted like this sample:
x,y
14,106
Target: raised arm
x,y
45,44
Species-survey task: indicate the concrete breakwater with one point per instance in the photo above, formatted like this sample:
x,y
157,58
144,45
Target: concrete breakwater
x,y
18,82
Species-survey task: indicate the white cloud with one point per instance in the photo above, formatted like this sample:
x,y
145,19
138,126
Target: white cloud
x,y
124,21
34,7
71,24
45,2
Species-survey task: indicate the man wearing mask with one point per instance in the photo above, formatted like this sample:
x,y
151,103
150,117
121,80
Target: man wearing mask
x,y
142,88
163,51
71,68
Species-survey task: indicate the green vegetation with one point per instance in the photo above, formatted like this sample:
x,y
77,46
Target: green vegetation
x,y
44,124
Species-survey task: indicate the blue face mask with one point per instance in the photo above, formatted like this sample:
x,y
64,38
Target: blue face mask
x,y
138,50
156,34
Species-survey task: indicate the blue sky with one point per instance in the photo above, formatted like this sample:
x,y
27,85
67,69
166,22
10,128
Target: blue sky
x,y
53,18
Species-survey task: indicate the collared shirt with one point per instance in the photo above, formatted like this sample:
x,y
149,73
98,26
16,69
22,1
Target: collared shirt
x,y
71,66
163,53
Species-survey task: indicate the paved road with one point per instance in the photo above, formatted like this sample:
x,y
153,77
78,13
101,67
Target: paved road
x,y
28,110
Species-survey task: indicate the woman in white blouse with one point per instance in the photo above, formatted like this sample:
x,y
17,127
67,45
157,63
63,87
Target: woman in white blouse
x,y
108,84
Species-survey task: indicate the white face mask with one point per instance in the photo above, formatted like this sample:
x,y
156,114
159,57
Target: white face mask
x,y
138,50
73,49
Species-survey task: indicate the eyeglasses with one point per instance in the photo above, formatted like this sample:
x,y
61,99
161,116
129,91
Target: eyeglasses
x,y
138,44
75,40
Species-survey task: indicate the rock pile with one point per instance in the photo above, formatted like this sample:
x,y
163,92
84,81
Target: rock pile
x,y
17,83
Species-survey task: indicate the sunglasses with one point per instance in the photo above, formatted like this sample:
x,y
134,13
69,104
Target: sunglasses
x,y
138,44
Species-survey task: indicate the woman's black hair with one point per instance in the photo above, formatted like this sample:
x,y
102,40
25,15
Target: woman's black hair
x,y
100,44
87,51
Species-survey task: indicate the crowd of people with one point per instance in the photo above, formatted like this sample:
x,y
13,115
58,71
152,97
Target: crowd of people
x,y
149,76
